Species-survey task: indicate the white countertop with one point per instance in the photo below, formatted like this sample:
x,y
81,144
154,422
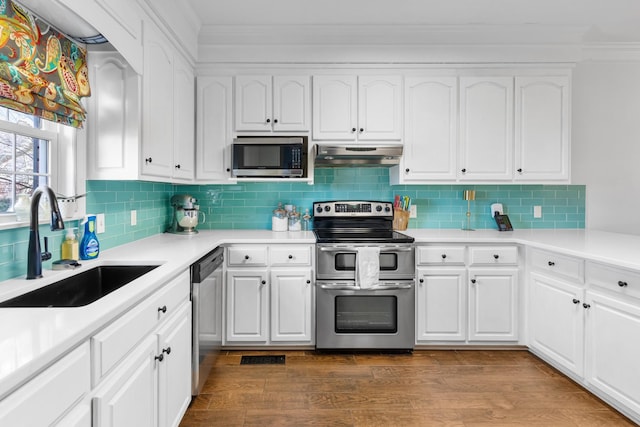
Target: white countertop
x,y
33,338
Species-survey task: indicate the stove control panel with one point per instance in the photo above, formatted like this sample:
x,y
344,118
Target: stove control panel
x,y
345,208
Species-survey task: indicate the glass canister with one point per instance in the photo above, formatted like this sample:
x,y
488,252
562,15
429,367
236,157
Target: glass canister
x,y
294,220
22,207
306,220
279,220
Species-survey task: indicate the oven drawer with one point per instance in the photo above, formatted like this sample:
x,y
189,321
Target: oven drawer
x,y
440,255
493,255
338,262
290,255
247,256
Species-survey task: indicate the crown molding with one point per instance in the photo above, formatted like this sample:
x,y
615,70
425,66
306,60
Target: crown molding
x,y
611,52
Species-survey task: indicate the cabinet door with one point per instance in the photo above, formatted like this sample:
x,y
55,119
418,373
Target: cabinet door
x,y
431,129
247,298
184,142
113,125
214,133
291,103
379,108
157,104
253,103
174,385
613,348
542,128
486,128
335,107
556,321
493,304
129,397
442,305
291,305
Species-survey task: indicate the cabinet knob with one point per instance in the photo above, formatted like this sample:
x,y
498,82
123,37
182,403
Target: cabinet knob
x,y
473,281
163,309
148,160
268,120
576,301
407,170
421,280
228,169
551,263
585,305
264,282
167,350
444,256
308,281
463,170
290,256
520,170
275,120
177,166
353,129
246,257
496,256
622,284
361,130
159,357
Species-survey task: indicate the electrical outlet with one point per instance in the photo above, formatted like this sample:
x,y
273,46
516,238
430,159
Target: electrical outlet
x,y
134,217
100,226
413,211
537,211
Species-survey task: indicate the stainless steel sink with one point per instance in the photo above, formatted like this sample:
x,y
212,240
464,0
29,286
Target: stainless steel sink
x,y
81,289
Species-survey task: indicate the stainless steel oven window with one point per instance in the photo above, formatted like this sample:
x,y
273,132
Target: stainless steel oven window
x,y
346,261
366,314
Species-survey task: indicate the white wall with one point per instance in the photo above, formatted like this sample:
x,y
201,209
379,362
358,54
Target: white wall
x,y
606,143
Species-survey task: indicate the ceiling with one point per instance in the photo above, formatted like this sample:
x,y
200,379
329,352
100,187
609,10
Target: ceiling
x,y
598,21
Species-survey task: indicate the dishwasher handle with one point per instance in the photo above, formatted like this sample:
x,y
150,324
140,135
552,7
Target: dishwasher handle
x,y
206,265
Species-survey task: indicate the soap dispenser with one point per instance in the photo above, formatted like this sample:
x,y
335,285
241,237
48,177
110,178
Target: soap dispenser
x,y
70,247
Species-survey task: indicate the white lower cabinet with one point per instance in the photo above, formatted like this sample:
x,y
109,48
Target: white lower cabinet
x,y
467,294
613,348
493,304
269,295
152,386
48,396
291,304
556,321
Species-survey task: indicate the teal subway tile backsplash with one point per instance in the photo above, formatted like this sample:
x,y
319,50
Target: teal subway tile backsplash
x,y
249,206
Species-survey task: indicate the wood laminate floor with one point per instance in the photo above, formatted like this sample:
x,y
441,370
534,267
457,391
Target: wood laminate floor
x,y
426,388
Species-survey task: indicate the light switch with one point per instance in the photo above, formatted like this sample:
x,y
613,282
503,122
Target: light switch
x,y
413,211
100,226
134,217
537,211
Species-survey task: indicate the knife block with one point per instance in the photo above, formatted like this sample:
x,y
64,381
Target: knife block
x,y
400,219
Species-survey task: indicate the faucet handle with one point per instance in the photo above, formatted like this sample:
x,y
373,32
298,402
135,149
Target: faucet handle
x,y
46,255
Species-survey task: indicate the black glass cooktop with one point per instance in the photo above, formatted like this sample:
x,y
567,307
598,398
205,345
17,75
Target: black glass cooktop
x,y
366,236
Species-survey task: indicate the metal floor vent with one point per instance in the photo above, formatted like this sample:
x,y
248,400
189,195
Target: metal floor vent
x,y
262,360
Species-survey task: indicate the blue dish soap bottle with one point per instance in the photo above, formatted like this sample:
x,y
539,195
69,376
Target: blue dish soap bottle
x,y
89,246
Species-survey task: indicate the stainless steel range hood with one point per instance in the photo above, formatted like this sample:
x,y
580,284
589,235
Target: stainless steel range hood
x,y
327,156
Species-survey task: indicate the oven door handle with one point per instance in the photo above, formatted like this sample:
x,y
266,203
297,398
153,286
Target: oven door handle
x,y
352,249
358,288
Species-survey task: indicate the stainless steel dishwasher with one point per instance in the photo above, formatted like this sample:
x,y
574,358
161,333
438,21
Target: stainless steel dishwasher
x,y
206,299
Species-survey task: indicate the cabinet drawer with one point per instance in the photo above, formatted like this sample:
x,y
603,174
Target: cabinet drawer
x,y
115,341
493,255
440,255
290,255
615,279
558,265
247,256
49,395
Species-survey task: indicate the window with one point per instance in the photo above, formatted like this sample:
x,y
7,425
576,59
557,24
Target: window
x,y
27,151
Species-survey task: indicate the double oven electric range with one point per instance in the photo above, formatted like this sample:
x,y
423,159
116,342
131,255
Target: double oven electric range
x,y
350,317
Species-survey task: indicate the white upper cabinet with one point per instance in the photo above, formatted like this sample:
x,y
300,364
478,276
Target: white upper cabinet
x,y
350,108
184,112
486,128
542,128
431,129
272,103
214,128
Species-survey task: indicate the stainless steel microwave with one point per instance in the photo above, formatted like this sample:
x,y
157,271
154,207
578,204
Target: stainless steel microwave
x,y
269,157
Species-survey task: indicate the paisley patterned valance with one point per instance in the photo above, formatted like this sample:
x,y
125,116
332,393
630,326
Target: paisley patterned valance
x,y
42,72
